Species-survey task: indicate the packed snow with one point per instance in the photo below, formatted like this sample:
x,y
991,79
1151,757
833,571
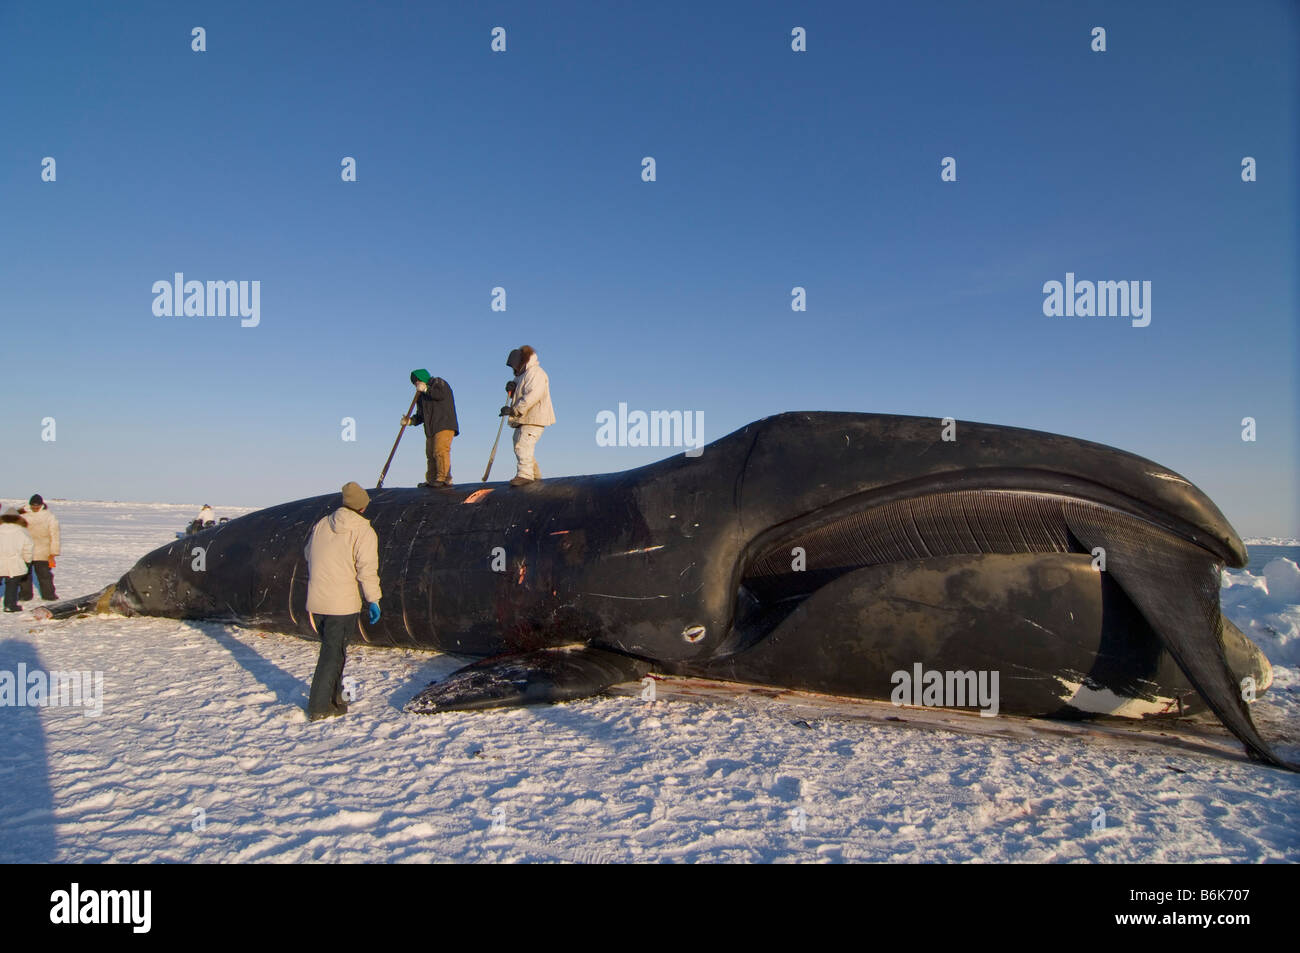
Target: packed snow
x,y
1267,608
202,752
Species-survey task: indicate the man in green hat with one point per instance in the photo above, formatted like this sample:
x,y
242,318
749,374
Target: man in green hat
x,y
436,409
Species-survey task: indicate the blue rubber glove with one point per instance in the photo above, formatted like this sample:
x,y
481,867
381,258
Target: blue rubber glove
x,y
373,612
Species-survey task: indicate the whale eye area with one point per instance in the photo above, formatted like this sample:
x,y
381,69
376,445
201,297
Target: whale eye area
x,y
693,633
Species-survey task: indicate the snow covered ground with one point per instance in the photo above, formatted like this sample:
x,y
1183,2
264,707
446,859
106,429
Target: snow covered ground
x,y
202,753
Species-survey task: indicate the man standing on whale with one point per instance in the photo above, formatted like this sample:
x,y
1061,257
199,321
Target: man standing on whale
x,y
437,411
529,411
342,553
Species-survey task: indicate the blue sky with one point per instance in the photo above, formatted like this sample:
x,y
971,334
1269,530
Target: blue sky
x,y
522,169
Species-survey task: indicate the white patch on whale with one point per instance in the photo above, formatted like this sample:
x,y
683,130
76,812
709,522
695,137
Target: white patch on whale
x,y
1102,701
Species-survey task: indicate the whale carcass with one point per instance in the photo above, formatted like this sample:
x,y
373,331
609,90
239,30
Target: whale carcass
x,y
815,551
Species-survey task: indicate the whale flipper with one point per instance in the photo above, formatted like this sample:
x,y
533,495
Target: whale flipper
x,y
1186,617
531,678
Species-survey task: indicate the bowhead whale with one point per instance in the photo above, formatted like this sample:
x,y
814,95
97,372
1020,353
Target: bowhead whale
x,y
814,551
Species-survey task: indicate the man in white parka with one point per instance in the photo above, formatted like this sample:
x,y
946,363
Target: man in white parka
x,y
15,556
530,411
342,564
43,527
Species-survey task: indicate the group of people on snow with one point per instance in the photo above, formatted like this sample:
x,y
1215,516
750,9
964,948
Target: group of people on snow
x,y
342,549
29,541
528,411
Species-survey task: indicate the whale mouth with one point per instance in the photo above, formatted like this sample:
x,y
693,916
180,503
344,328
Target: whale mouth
x,y
803,557
810,554
1164,576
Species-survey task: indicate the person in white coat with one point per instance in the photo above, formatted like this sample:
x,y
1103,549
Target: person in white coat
x,y
15,556
342,562
530,412
43,527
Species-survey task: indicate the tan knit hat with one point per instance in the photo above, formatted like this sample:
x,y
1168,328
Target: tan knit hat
x,y
355,498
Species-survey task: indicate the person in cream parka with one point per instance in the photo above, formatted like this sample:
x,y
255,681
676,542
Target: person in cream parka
x,y
43,526
530,411
342,563
15,556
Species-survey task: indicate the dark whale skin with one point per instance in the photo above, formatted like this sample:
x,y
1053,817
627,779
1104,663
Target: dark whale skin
x,y
679,566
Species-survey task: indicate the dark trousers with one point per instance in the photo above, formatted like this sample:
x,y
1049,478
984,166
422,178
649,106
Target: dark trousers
x,y
12,583
44,581
327,684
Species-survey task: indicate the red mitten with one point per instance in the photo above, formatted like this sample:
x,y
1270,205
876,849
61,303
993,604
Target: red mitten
x,y
51,562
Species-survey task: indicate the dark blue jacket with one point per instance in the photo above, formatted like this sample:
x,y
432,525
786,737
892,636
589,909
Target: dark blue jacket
x,y
436,409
